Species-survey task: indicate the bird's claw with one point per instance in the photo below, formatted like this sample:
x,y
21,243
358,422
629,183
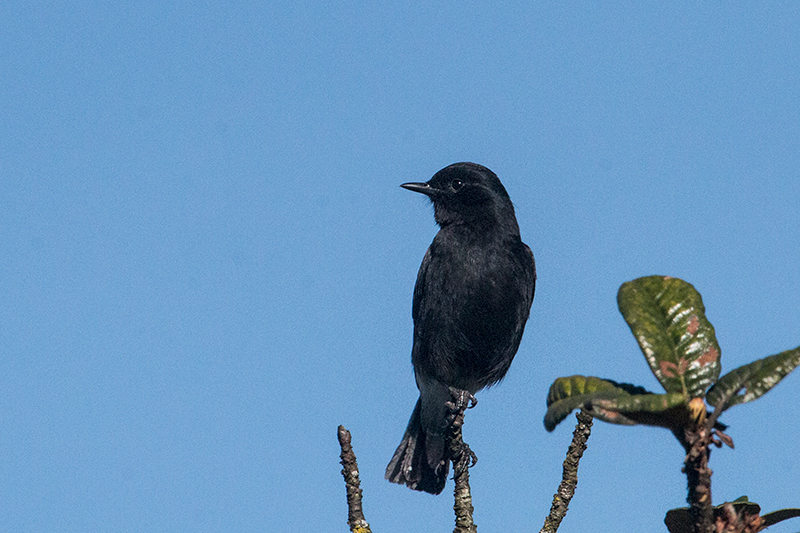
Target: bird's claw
x,y
465,459
461,400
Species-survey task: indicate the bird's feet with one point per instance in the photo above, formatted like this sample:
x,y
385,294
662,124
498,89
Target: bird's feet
x,y
464,459
462,456
461,401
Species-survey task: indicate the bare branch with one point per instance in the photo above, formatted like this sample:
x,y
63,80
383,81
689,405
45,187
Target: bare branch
x,y
355,513
569,478
696,441
463,458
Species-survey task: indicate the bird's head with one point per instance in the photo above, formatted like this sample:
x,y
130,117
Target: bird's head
x,y
465,193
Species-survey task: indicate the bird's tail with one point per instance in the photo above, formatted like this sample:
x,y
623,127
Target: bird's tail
x,y
421,460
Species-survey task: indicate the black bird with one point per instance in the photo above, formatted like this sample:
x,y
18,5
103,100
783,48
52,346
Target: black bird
x,y
472,298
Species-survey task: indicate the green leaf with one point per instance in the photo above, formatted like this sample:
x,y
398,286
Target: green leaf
x,y
572,386
664,410
779,516
748,382
616,403
680,520
574,392
667,317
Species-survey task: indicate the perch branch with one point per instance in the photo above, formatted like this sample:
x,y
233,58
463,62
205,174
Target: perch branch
x,y
355,513
569,478
463,458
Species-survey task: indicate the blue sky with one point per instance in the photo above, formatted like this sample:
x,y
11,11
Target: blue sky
x,y
207,263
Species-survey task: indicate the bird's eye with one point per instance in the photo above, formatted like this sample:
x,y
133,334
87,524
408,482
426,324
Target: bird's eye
x,y
457,184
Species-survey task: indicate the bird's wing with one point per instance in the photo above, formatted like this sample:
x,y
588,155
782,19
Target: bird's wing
x,y
531,272
419,288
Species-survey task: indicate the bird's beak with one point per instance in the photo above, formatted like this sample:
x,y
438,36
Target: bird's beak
x,y
424,188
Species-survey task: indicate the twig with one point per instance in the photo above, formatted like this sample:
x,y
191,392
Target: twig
x,y
463,459
355,513
569,478
698,478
